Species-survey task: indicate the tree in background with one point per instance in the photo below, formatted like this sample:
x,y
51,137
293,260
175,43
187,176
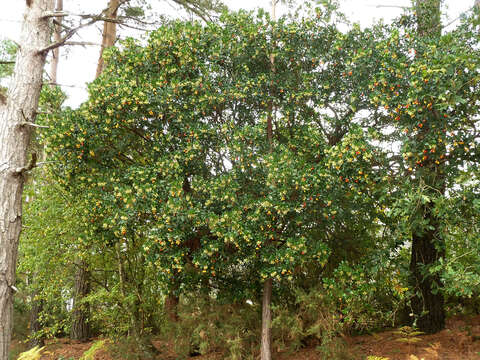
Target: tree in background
x,y
430,103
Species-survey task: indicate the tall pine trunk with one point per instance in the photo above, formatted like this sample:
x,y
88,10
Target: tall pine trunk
x,y
20,108
35,324
427,243
80,328
56,52
109,33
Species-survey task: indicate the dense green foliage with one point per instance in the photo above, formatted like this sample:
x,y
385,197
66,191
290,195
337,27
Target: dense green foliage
x,y
165,182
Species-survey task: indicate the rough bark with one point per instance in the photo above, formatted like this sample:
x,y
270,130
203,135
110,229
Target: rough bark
x,y
57,37
266,343
21,106
427,243
80,327
109,34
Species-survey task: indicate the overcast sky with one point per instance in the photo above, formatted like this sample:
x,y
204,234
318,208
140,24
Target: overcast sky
x,y
78,64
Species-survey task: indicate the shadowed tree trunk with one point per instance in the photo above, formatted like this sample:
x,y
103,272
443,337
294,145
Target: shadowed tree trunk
x,y
35,325
266,342
80,327
19,110
171,307
428,302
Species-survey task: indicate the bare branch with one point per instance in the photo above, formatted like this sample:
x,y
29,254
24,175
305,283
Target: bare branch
x,y
65,85
64,39
47,162
74,30
193,9
33,125
392,6
50,14
82,43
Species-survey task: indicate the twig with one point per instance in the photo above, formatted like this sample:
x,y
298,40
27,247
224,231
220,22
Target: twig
x,y
82,43
65,85
47,162
26,123
392,6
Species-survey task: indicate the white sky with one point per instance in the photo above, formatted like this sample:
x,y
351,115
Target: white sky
x,y
78,64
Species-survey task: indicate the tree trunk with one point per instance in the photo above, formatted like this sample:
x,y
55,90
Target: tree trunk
x,y
35,325
266,344
21,106
266,341
427,243
109,34
57,38
171,307
80,327
428,18
427,248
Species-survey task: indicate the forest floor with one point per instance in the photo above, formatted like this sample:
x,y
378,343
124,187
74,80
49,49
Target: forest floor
x,y
459,341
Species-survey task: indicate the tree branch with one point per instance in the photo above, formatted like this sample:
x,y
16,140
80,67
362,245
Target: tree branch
x,y
26,123
82,43
30,166
193,9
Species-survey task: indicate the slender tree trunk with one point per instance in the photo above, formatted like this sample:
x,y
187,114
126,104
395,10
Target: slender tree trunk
x,y
427,243
109,34
266,344
21,106
81,311
427,305
56,38
35,311
35,325
266,341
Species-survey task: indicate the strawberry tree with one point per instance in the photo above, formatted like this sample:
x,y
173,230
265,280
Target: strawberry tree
x,y
171,149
